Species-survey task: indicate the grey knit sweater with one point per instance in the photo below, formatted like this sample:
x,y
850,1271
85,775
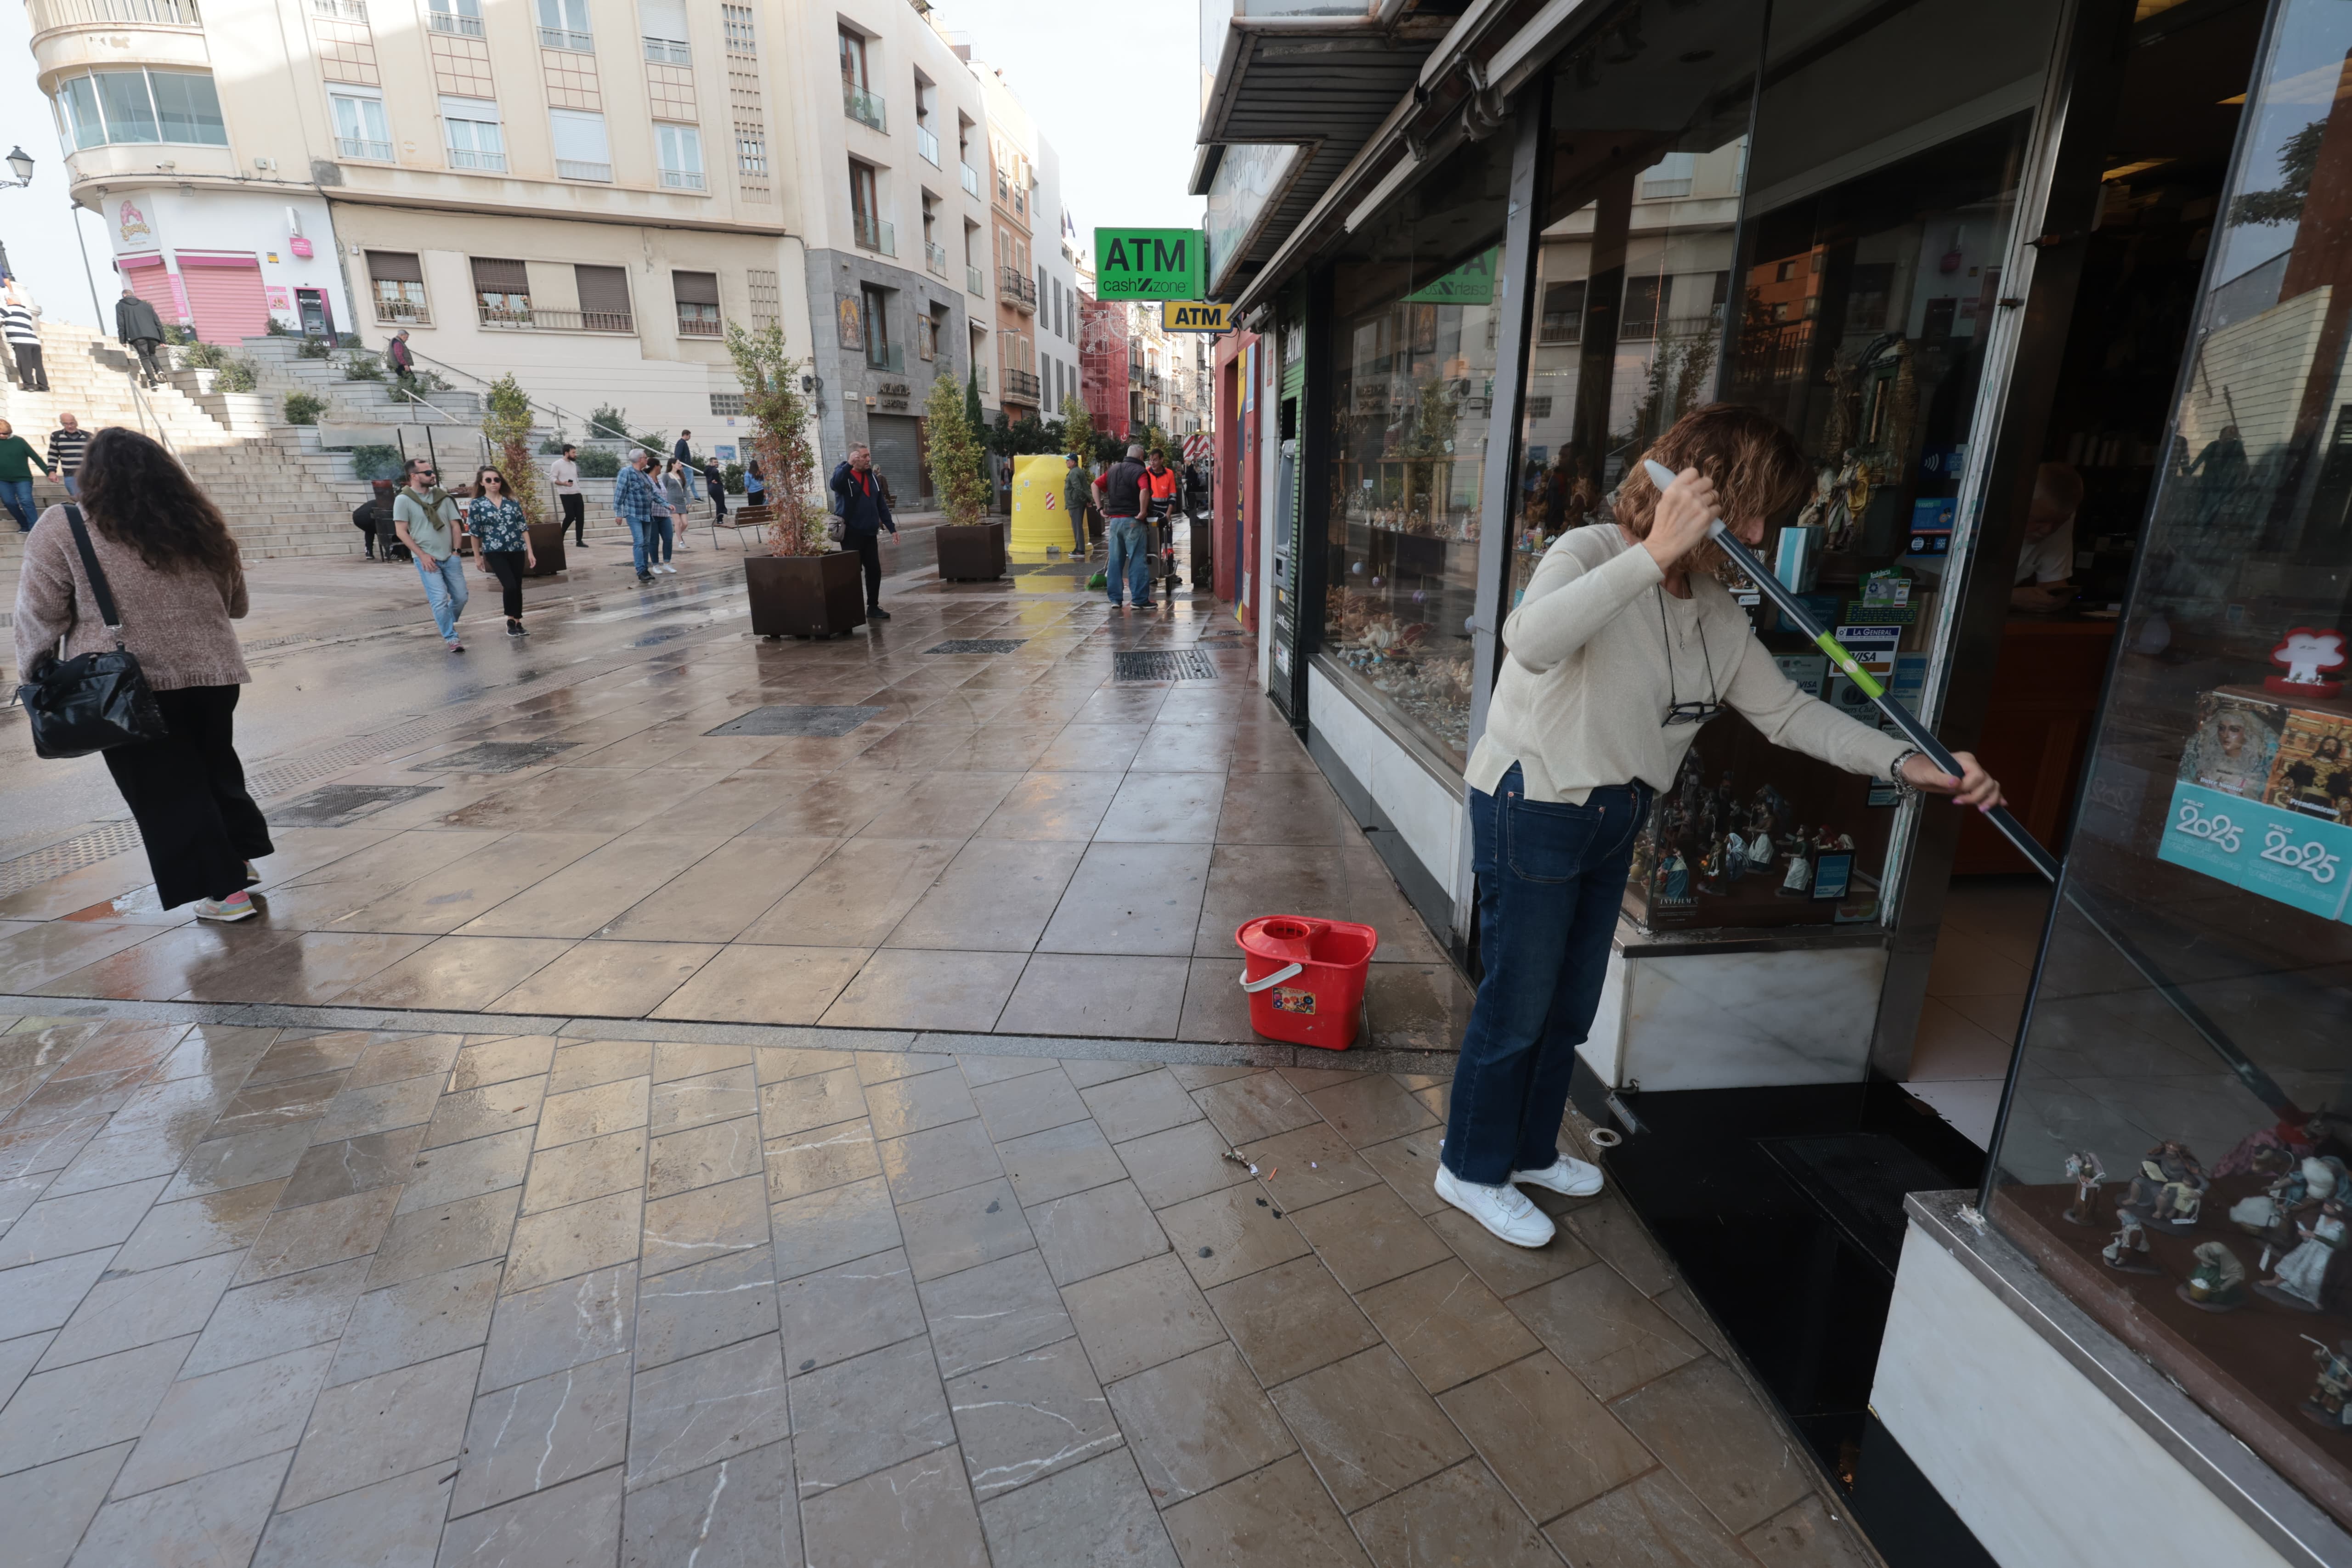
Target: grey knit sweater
x,y
177,622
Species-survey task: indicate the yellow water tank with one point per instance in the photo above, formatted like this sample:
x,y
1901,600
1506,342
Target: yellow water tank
x,y
1039,518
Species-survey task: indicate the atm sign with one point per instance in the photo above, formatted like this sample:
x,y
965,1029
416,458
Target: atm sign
x,y
1195,316
1147,264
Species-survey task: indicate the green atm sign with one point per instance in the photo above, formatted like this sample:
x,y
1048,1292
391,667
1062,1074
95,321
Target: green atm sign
x,y
1147,264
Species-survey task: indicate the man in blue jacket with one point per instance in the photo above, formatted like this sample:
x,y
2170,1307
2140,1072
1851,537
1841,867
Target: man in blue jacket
x,y
865,512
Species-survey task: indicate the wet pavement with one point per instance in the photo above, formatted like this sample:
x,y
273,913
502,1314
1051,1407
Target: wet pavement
x,y
623,1143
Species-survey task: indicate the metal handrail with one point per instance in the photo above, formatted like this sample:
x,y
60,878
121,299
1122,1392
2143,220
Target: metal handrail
x,y
563,415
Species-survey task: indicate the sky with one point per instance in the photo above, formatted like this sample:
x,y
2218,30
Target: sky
x,y
1120,104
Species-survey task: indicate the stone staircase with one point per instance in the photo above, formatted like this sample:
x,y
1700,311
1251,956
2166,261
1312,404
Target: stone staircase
x,y
277,504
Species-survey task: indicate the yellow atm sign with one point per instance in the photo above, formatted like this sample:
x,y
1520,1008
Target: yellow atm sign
x,y
1195,316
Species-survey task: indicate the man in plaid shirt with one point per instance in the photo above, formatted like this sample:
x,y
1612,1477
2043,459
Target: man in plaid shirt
x,y
633,503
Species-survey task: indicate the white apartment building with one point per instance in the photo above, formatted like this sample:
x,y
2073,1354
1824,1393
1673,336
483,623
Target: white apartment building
x,y
1037,350
583,192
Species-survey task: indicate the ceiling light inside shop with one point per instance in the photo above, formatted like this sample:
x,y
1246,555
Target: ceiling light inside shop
x,y
2126,171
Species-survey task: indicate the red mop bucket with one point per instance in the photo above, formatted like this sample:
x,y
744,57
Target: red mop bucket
x,y
1305,978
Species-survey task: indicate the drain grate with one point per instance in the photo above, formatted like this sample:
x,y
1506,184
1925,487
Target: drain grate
x,y
1163,664
786,719
978,645
494,757
287,777
35,866
340,805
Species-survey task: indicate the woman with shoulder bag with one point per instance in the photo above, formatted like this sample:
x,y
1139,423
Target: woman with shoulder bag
x,y
502,536
175,582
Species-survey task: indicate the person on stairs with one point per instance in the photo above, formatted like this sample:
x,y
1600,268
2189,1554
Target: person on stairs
x,y
865,512
66,444
16,477
136,327
19,323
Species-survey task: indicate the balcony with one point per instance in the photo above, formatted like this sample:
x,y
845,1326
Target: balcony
x,y
886,356
467,158
864,106
928,144
535,317
935,256
46,15
971,183
980,376
357,147
450,22
682,179
668,52
701,326
563,38
877,235
976,282
346,10
1021,386
1017,289
402,313
572,169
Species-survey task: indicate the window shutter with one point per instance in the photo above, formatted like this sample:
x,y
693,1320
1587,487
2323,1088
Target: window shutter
x,y
695,287
395,267
604,289
496,276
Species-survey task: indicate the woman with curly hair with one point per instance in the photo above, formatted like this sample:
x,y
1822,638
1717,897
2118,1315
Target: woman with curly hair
x,y
177,583
502,536
1625,642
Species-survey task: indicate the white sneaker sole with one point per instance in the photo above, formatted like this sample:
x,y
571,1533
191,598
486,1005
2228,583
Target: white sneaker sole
x,y
229,917
1532,1241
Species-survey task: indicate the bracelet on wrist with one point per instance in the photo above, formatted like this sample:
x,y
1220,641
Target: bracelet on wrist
x,y
1894,774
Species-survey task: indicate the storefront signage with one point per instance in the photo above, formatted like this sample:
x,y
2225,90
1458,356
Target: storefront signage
x,y
1147,264
2264,800
1472,283
1195,316
893,395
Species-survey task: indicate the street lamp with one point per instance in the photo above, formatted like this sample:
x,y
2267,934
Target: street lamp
x,y
20,163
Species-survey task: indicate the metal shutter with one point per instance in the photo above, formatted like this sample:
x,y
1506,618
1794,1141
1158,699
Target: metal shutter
x,y
897,440
603,289
695,287
153,284
395,267
226,300
492,275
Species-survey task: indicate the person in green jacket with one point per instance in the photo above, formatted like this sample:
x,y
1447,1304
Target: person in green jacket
x,y
16,478
1077,496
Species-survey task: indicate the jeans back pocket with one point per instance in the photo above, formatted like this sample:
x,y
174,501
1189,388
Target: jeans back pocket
x,y
1548,841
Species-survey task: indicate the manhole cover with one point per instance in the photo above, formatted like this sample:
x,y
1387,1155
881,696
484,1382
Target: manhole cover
x,y
338,806
1163,664
784,719
978,645
494,757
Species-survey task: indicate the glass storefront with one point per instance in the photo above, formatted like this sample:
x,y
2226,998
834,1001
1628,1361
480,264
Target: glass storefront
x,y
1416,302
2177,1151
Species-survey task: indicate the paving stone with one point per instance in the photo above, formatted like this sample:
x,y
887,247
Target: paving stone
x,y
1089,1514
1368,1427
569,1323
1447,1325
593,1062
212,1521
47,1507
1508,1271
1458,1516
593,1112
989,1069
1084,1074
818,1099
1013,1108
435,1240
1608,1227
868,1413
1648,1523
1030,1415
1370,1236
1552,1444
1139,1316
318,1233
348,1165
776,1064
702,1157
706,1408
688,1311
709,1222
822,1157
939,1159
89,1405
1806,1535
382,1426
63,1226
228,1418
1092,1232
287,1312
17,1357
1291,1318
1187,1161
591,1168
738,1513
598,1234
919,1514
578,1523
220,1164
478,1113
914,1104
1604,1330
535,1435
1131,1105
1259,1106
1372,1108
1196,1423
1229,1234
960,1230
483,1062
1409,1164
1720,1441
1059,1160
854,1220
121,1314
982,1315
466,1169
379,1108
418,1319
391,1524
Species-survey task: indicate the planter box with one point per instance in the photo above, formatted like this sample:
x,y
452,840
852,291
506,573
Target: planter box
x,y
971,553
547,548
804,595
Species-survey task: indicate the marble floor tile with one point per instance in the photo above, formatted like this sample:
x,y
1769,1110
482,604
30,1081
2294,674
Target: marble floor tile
x,y
982,1315
1608,1334
1720,1441
867,1414
765,984
391,1524
577,1522
918,1103
1228,1234
917,1514
938,1160
211,1522
583,1113
1372,1108
455,1171
1096,1512
532,1436
592,1062
569,1323
601,1233
1259,1106
1291,1318
705,1409
417,1320
1459,1515
1309,1165
707,1223
1652,1519
811,1231
228,1417
382,1426
1133,1105
79,1221
1552,1444
1070,1157
1092,1232
822,1157
703,1155
49,1508
738,1513
299,1238
1187,1161
1367,1427
126,1311
1369,1237
1030,1415
1196,1423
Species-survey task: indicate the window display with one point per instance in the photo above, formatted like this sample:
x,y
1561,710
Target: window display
x,y
2188,1021
1416,303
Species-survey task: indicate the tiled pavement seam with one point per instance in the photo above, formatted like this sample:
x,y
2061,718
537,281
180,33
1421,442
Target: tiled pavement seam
x,y
277,1296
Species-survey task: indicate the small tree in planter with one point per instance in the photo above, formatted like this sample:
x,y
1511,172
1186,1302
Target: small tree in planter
x,y
971,547
505,426
803,586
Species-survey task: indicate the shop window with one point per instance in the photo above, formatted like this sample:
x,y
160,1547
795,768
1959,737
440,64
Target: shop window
x,y
1414,294
397,280
2174,1147
140,106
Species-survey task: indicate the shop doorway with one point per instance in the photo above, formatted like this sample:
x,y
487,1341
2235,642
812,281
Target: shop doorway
x,y
2165,157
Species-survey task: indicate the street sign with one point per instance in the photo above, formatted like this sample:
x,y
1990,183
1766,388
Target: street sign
x,y
1196,446
1147,264
1195,316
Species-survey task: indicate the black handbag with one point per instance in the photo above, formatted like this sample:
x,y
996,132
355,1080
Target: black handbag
x,y
94,700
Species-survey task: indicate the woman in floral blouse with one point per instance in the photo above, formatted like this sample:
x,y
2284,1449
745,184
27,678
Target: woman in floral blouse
x,y
503,536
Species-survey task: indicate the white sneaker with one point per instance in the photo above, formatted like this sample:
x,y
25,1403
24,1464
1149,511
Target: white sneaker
x,y
1504,1210
1568,1176
235,907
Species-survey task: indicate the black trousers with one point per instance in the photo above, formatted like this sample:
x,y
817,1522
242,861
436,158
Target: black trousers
x,y
30,375
869,551
575,516
187,794
506,565
145,349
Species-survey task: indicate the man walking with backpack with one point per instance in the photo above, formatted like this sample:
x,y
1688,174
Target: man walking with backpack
x,y
1127,507
864,512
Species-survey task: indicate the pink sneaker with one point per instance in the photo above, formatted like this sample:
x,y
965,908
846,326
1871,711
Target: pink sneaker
x,y
237,906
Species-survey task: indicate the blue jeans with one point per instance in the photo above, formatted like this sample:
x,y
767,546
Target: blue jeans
x,y
1551,878
639,532
660,535
72,483
1130,558
17,495
445,590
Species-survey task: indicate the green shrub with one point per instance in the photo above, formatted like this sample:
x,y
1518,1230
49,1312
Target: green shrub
x,y
362,367
551,448
179,336
205,356
378,463
278,329
314,348
606,423
304,407
236,375
599,463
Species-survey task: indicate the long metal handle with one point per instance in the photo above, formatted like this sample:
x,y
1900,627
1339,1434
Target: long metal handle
x,y
1915,732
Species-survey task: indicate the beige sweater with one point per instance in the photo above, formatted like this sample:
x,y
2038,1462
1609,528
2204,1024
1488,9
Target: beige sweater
x,y
1582,698
176,622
